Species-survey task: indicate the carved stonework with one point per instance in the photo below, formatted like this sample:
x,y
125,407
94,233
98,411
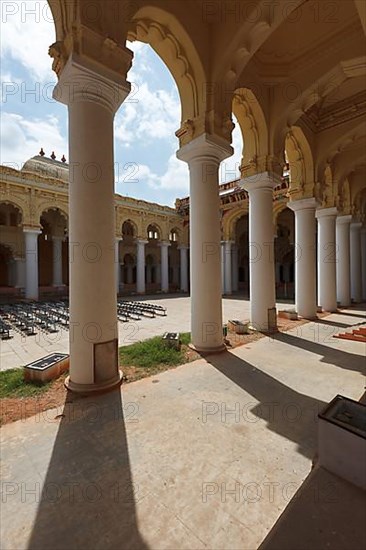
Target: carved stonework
x,y
58,54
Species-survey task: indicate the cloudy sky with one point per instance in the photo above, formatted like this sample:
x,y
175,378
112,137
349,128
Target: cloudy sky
x,y
145,144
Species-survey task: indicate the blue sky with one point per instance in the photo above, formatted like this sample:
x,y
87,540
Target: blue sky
x,y
145,144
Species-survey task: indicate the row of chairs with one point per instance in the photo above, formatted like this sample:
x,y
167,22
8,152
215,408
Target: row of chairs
x,y
29,318
49,317
136,310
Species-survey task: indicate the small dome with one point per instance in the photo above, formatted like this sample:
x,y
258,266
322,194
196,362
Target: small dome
x,y
47,168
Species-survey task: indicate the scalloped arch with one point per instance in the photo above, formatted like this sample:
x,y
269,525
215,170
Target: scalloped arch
x,y
163,32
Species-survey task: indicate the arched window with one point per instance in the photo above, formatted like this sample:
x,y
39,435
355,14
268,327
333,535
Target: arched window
x,y
152,232
173,236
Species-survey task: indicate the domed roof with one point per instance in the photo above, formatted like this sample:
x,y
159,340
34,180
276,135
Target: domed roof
x,y
47,168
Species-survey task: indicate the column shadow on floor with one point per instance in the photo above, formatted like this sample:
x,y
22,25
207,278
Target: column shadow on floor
x,y
330,355
350,314
88,496
287,412
338,323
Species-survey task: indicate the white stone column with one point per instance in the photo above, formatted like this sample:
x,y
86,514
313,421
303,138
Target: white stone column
x,y
356,273
57,260
140,275
305,256
222,259
261,248
31,263
343,260
93,94
183,268
117,264
363,262
227,267
164,266
235,268
327,288
204,155
19,275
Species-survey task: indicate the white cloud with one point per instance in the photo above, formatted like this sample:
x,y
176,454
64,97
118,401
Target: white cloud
x,y
27,32
23,138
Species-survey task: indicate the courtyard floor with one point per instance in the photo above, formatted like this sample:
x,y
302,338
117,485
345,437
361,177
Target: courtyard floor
x,y
207,455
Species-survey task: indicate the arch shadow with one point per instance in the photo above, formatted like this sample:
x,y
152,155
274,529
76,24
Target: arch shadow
x,y
88,497
287,412
332,356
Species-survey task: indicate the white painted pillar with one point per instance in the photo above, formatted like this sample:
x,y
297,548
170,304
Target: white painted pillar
x,y
183,268
117,264
140,275
305,256
148,274
57,260
204,155
327,288
31,263
261,248
222,259
92,98
356,273
235,268
19,275
227,267
343,260
363,262
164,266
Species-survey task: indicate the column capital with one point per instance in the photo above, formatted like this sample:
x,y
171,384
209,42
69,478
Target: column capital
x,y
34,230
183,247
326,212
83,81
57,238
118,239
356,225
344,219
141,241
164,244
205,147
262,180
303,204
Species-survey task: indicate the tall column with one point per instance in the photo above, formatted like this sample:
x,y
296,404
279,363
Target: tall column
x,y
140,275
19,275
204,155
164,266
222,259
261,249
235,268
327,289
117,264
305,257
356,274
363,262
343,260
57,260
93,94
31,263
227,267
183,268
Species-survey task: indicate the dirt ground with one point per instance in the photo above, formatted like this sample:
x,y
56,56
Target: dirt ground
x,y
17,408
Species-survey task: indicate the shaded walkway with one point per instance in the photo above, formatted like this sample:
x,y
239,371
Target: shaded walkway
x,y
286,412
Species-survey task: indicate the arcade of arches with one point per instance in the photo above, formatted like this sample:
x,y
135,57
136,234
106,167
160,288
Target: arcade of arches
x,y
293,75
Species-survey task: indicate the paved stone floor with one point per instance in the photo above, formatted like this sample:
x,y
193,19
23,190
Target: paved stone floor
x,y
21,350
207,455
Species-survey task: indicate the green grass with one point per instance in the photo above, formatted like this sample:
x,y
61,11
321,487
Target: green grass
x,y
153,353
12,384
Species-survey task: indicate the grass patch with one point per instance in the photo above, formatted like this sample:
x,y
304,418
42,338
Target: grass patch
x,y
153,353
12,384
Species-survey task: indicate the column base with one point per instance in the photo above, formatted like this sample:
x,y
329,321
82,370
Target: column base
x,y
88,389
208,351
